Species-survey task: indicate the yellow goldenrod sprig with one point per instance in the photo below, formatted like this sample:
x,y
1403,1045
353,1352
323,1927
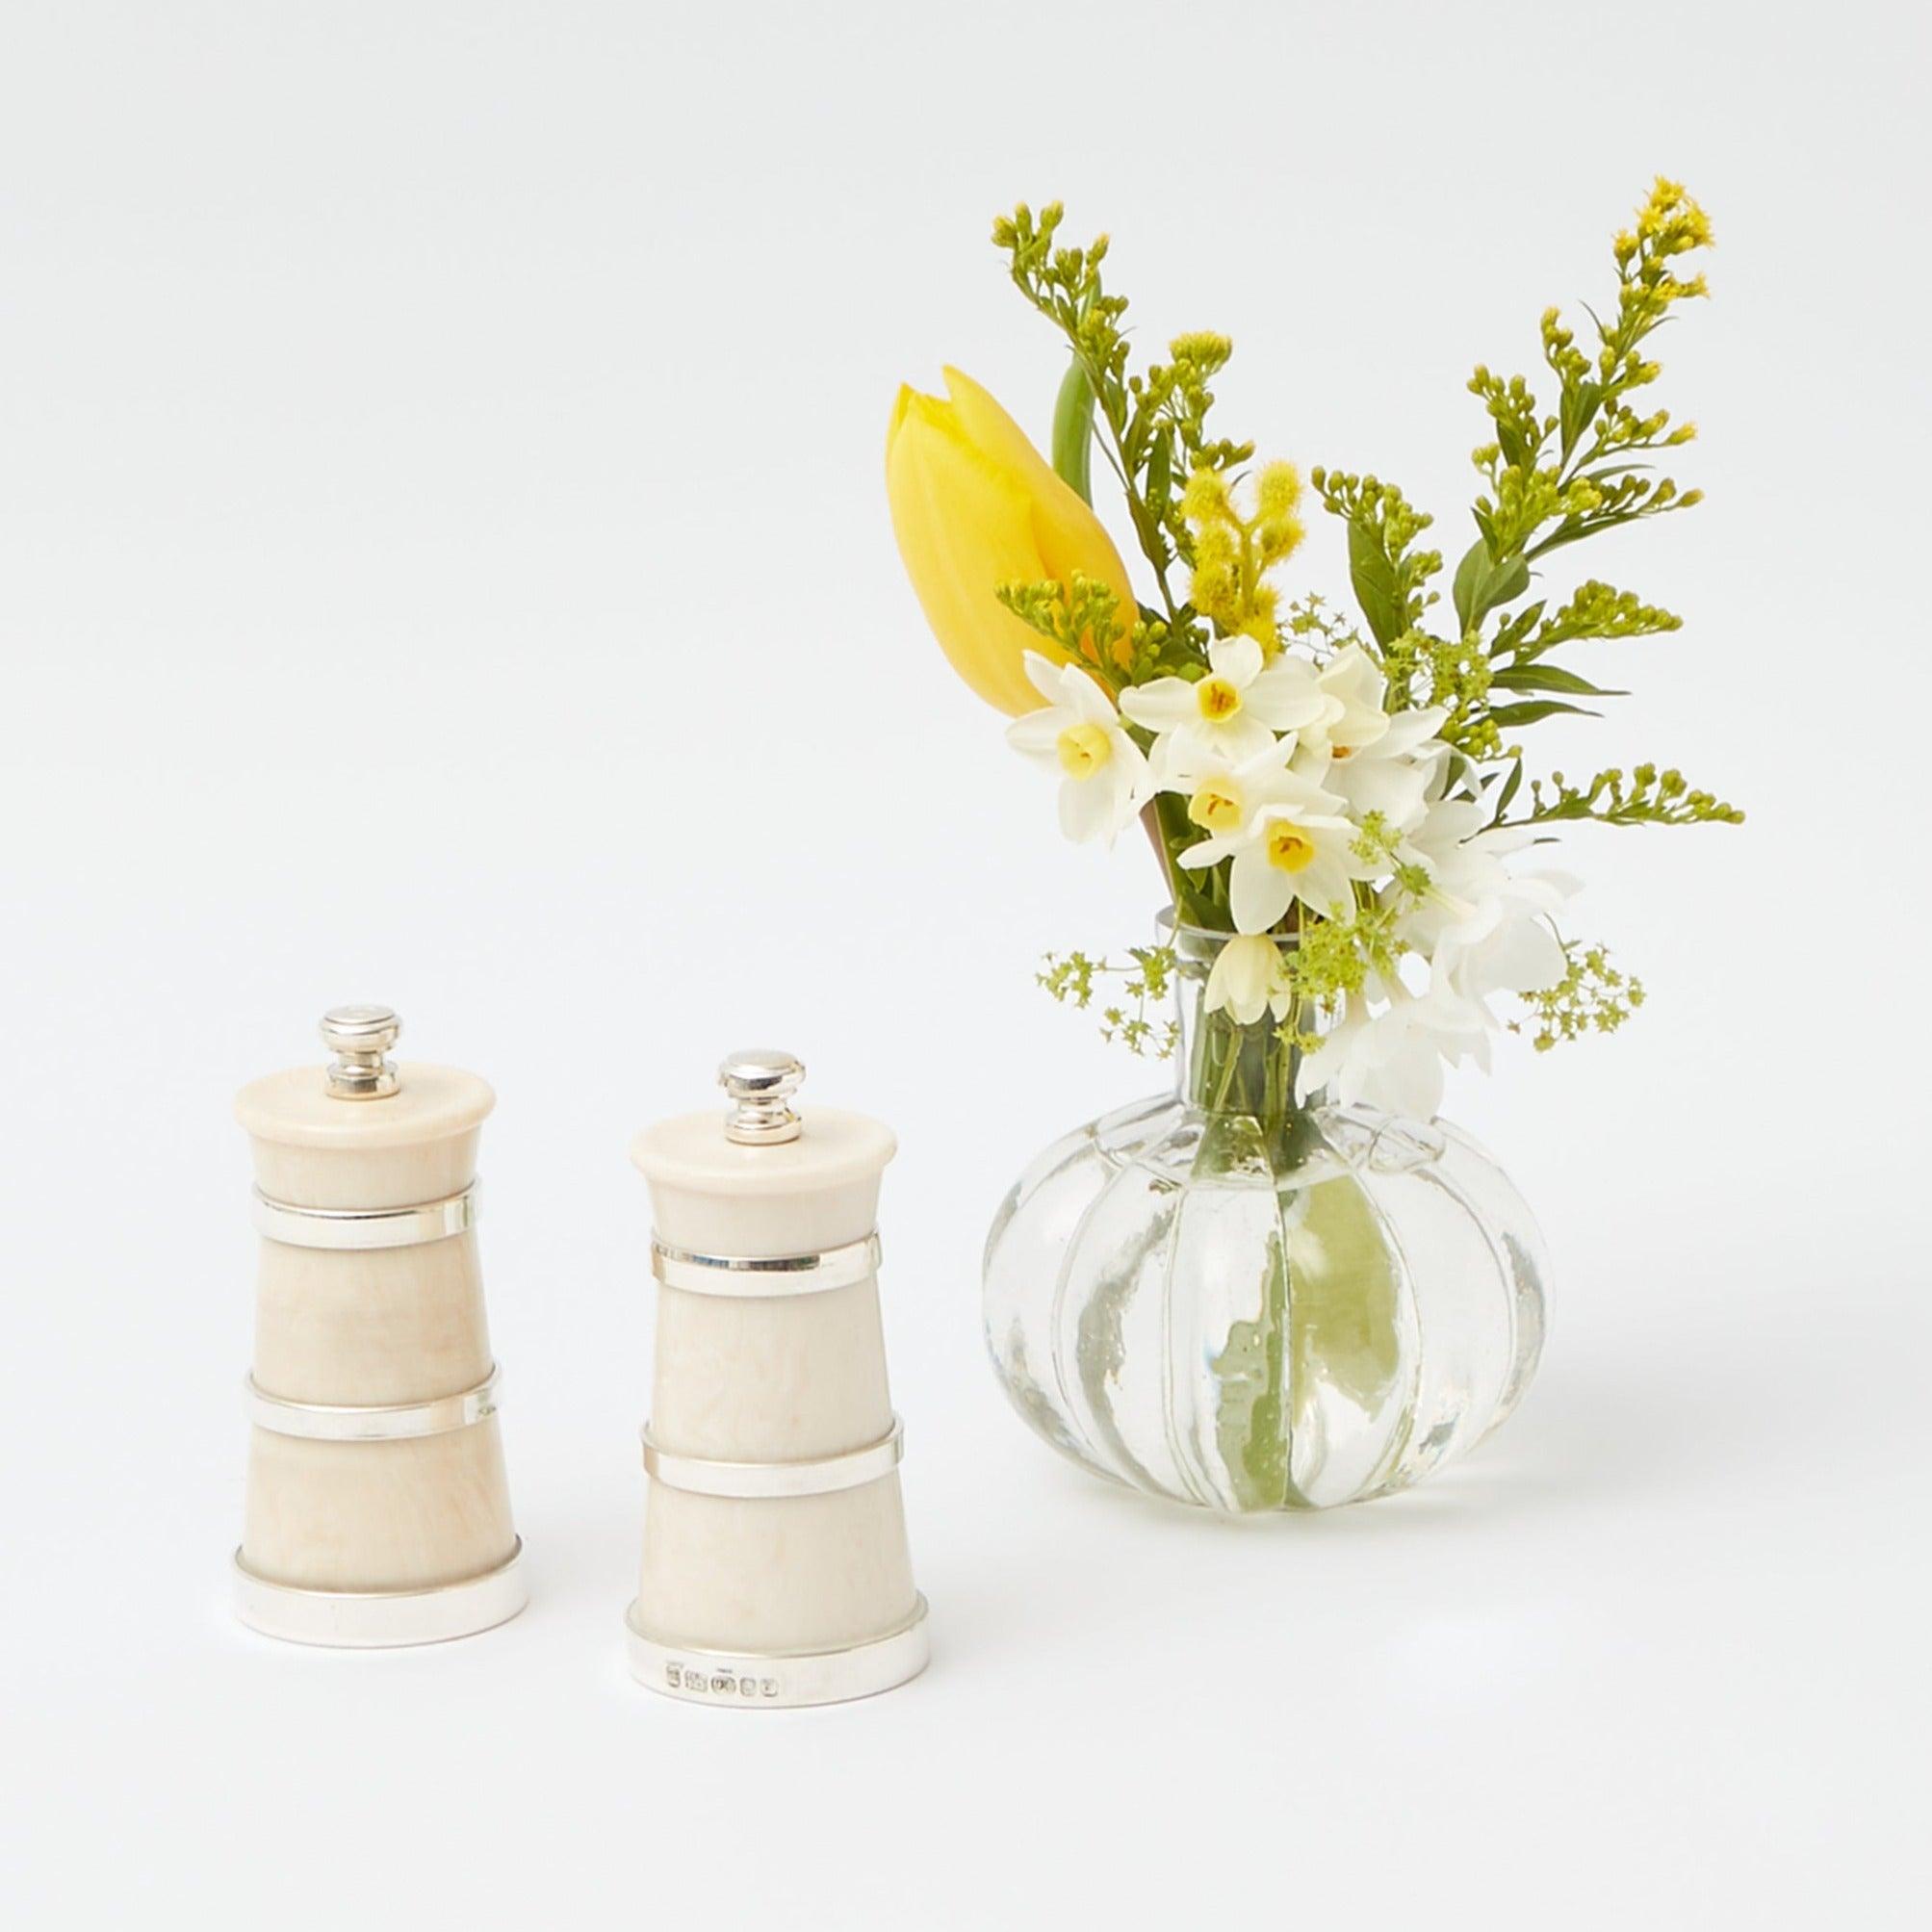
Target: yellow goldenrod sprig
x,y
1558,476
1594,609
1084,619
1647,797
1390,574
1153,421
1082,616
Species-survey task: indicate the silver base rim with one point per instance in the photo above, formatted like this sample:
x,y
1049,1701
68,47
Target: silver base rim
x,y
783,1681
381,1619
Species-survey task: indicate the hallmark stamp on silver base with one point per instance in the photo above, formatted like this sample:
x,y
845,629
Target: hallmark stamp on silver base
x,y
694,1681
776,1681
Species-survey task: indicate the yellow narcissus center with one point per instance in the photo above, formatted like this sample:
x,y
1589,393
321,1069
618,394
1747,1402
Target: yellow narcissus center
x,y
1218,698
1216,807
1290,849
1083,750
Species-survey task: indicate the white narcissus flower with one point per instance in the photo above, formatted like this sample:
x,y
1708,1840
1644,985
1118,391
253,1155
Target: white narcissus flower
x,y
1296,845
1394,1059
1353,718
1390,774
1508,947
1223,797
1248,978
1473,895
1483,929
1233,712
1104,776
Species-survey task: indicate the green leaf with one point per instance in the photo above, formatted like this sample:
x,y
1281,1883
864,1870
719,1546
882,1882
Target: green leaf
x,y
1506,716
1513,633
1550,678
1483,581
1578,406
1577,527
1374,576
1511,785
1074,431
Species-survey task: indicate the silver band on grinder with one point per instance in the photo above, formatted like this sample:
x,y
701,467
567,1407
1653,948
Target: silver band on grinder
x,y
750,1682
365,1227
381,1619
391,1421
765,1275
820,1476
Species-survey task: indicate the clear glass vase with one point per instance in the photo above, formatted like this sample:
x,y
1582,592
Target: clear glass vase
x,y
1237,1302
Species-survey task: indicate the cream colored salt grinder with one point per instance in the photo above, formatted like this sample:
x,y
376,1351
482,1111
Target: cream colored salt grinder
x,y
378,1511
775,1568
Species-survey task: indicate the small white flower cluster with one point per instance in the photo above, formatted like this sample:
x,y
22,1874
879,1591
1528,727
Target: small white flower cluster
x,y
1315,794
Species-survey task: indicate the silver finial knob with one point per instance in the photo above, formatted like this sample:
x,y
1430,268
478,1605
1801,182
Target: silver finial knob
x,y
761,1081
359,1035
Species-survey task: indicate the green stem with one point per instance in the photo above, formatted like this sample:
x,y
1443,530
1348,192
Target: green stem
x,y
1146,529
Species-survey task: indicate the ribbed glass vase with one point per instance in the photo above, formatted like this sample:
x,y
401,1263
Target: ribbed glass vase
x,y
1244,1303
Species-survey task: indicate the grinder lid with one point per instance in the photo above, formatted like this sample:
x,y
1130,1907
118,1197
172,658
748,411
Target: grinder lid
x,y
361,1097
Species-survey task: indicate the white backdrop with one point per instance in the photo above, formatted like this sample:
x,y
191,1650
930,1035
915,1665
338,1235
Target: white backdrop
x,y
444,559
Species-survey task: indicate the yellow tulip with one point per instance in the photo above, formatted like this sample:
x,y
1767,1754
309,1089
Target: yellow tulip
x,y
976,505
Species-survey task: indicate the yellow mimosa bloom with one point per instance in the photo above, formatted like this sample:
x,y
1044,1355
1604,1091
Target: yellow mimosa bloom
x,y
976,505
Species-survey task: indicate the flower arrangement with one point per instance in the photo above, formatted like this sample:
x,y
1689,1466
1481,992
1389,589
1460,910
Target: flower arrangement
x,y
1342,796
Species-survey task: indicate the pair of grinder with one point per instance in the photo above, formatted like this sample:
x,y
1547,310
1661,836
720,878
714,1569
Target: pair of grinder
x,y
775,1566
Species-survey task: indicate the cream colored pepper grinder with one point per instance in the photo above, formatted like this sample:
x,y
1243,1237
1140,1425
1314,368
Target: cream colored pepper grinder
x,y
775,1568
378,1511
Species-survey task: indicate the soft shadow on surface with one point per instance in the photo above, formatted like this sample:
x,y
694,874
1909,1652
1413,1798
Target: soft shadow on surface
x,y
1710,1402
1709,1410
